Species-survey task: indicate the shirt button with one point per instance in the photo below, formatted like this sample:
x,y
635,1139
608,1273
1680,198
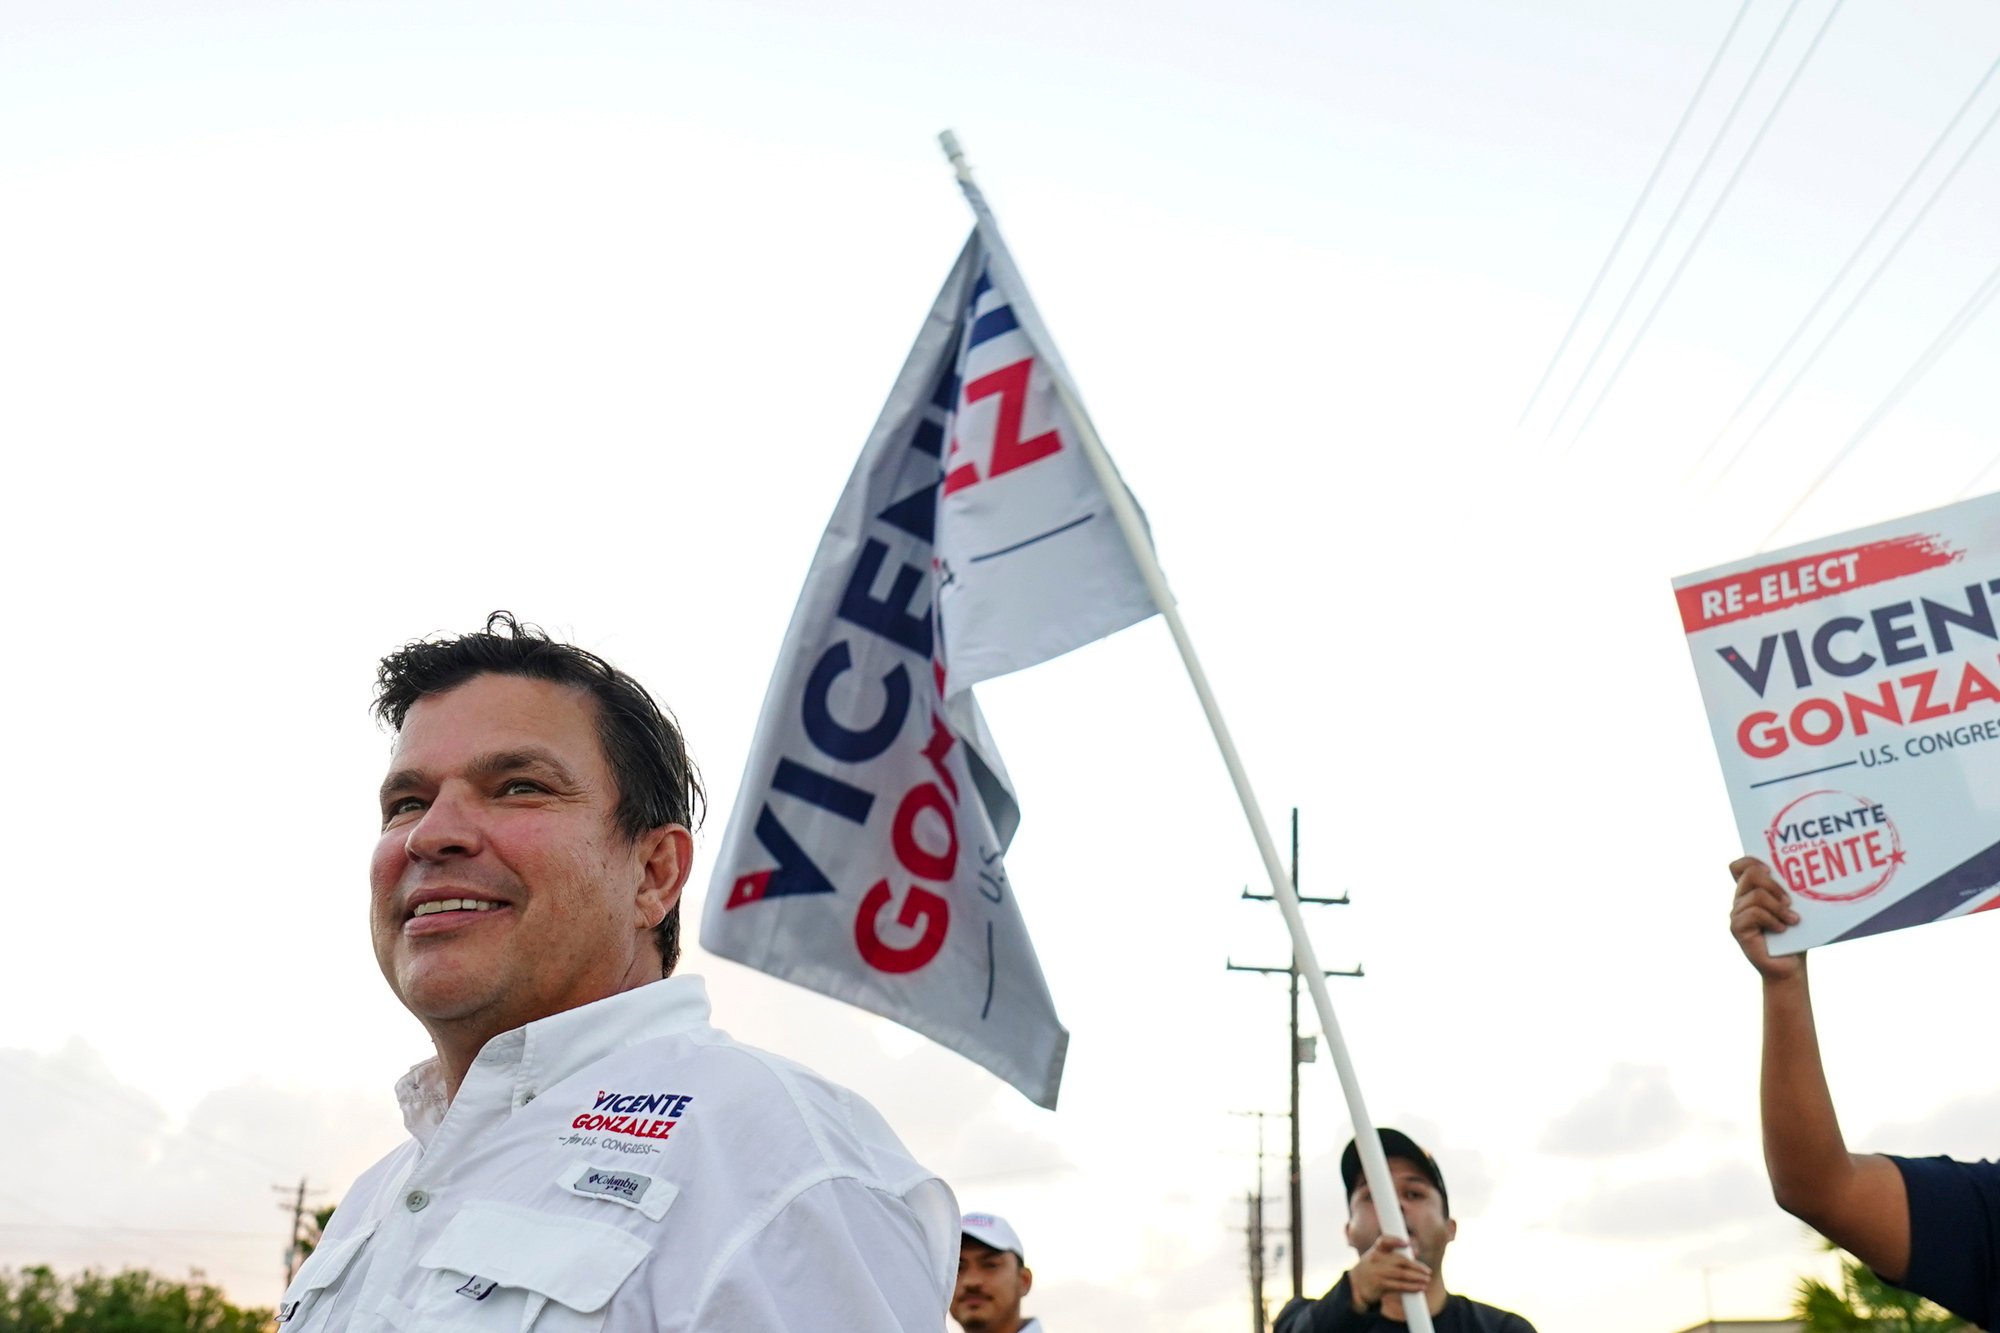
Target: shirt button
x,y
415,1200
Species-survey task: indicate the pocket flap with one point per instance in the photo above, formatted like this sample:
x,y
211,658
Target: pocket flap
x,y
328,1261
571,1261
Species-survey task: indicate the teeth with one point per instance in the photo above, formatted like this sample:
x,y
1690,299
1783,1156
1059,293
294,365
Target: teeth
x,y
454,905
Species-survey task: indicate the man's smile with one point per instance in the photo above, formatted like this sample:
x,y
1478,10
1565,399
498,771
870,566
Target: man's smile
x,y
434,911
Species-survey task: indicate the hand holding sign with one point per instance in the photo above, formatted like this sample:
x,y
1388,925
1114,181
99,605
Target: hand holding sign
x,y
1762,908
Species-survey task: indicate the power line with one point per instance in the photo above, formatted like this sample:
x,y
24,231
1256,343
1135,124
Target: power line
x,y
1770,118
71,1089
1867,285
1016,1173
1958,323
104,1229
1687,193
1977,477
1645,193
28,1204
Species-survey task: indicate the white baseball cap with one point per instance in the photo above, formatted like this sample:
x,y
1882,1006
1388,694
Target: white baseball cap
x,y
988,1229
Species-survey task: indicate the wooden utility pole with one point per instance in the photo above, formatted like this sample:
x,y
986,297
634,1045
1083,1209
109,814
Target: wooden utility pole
x,y
1302,1051
1254,1232
295,1201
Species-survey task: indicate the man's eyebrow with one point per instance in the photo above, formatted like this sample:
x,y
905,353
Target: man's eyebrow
x,y
486,766
403,779
512,761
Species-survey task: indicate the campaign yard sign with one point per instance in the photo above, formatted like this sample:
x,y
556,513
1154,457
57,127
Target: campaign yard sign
x,y
1853,689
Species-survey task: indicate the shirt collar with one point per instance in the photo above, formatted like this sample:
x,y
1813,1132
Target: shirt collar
x,y
549,1050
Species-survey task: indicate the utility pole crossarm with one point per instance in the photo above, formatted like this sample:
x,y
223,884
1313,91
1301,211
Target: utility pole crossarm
x,y
1341,901
1302,1051
1355,971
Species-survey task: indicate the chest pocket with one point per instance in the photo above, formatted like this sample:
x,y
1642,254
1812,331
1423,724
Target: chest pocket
x,y
509,1269
309,1299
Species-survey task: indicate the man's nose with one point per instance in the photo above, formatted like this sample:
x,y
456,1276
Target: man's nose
x,y
449,827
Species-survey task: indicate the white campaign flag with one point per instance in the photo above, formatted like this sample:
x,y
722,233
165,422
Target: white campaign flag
x,y
863,855
1030,560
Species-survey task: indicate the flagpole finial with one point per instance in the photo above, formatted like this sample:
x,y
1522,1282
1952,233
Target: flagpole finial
x,y
956,153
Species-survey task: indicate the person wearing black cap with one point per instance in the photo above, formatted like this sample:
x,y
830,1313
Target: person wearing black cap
x,y
993,1276
1370,1295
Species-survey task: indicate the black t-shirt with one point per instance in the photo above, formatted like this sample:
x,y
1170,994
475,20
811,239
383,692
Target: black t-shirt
x,y
1334,1313
1954,1235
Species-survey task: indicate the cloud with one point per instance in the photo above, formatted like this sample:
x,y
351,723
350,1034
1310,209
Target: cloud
x,y
992,1148
1729,1193
1468,1176
1188,1292
1636,1109
98,1174
1961,1128
1774,1235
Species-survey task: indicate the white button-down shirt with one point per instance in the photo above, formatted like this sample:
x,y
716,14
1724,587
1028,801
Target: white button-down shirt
x,y
625,1166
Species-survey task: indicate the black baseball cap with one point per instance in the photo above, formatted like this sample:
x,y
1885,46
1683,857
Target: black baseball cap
x,y
1395,1143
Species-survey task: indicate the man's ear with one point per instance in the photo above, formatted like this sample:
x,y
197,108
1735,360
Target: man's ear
x,y
1027,1279
668,853
1450,1230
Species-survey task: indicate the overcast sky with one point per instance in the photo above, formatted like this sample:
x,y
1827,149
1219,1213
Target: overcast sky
x,y
329,325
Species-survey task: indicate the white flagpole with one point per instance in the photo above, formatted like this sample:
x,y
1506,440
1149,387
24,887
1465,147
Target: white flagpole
x,y
1374,1162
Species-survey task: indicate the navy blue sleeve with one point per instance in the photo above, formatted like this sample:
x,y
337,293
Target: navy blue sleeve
x,y
1331,1313
1953,1237
1296,1317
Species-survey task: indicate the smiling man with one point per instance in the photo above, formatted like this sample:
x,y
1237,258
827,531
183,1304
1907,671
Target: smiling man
x,y
1370,1295
587,1152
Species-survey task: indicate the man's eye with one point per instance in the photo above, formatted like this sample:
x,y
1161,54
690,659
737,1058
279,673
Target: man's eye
x,y
402,805
521,787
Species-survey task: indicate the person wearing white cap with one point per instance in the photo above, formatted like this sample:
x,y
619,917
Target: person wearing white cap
x,y
993,1276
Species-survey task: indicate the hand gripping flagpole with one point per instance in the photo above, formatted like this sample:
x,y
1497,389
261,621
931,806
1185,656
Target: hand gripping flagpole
x,y
1374,1162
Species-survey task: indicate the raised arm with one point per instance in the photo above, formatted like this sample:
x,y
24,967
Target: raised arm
x,y
1855,1200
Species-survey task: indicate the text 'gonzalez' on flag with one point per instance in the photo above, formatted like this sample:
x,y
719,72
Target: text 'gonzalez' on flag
x,y
863,857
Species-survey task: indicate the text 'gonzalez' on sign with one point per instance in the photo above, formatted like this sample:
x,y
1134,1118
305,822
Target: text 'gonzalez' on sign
x,y
1895,635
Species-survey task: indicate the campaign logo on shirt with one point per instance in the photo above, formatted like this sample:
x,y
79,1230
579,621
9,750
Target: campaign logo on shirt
x,y
629,1116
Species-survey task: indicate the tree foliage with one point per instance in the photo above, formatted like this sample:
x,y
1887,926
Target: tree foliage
x,y
36,1300
1866,1304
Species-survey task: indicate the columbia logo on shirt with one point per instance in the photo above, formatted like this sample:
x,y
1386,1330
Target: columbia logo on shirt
x,y
625,1185
478,1288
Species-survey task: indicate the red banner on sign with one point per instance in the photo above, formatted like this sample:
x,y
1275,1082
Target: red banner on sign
x,y
1809,578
